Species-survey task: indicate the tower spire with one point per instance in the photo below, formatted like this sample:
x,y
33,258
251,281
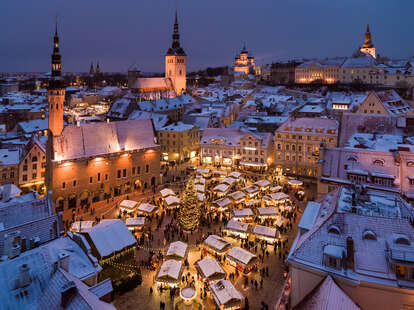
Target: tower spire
x,y
367,39
176,34
56,58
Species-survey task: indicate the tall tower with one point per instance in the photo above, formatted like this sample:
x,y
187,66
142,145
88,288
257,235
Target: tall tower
x,y
368,47
56,95
91,70
175,62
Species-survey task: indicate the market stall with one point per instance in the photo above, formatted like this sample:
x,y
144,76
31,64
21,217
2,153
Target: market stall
x,y
235,175
228,181
172,202
210,270
237,197
245,214
177,250
169,274
216,245
147,209
167,192
276,199
221,189
222,204
128,206
251,191
226,295
253,203
241,259
237,229
275,189
263,185
265,233
135,223
264,213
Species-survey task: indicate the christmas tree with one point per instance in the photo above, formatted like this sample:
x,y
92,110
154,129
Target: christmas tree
x,y
189,213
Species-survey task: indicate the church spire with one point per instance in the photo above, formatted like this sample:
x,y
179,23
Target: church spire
x,y
176,34
175,48
367,39
56,57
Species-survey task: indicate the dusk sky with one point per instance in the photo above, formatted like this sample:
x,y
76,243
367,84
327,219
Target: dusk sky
x,y
119,33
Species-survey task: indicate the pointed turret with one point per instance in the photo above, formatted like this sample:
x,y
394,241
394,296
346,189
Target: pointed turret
x,y
91,70
98,69
367,39
56,94
175,48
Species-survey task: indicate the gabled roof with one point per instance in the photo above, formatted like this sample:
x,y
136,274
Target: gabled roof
x,y
95,139
327,296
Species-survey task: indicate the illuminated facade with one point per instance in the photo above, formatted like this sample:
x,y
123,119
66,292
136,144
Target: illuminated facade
x,y
229,147
368,46
297,143
96,161
319,71
173,84
179,141
244,63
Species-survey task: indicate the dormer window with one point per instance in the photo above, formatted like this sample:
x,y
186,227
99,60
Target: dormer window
x,y
369,235
333,256
333,229
401,239
378,162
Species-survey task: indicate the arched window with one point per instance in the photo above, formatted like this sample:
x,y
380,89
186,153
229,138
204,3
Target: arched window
x,y
369,235
333,229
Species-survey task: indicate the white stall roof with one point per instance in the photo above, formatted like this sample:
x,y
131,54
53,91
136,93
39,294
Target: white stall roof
x,y
135,221
170,268
177,248
217,242
200,181
128,204
267,211
246,212
167,192
251,189
237,195
241,255
210,266
235,175
236,225
201,197
252,202
199,188
262,183
264,231
229,181
146,207
277,196
275,189
221,188
224,292
172,200
223,202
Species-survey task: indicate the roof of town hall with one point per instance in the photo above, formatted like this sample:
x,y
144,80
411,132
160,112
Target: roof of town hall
x,y
96,139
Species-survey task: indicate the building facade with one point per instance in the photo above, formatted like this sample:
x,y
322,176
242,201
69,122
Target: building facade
x,y
244,63
179,142
96,161
297,144
236,147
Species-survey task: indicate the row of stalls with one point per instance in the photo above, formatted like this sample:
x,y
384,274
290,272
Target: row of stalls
x,y
244,230
169,198
209,271
240,258
171,270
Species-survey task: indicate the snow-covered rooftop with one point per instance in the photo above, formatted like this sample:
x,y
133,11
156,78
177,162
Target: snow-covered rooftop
x,y
178,249
241,255
217,242
237,226
210,267
170,270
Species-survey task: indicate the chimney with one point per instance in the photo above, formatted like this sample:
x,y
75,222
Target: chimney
x,y
64,259
24,275
350,253
67,292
